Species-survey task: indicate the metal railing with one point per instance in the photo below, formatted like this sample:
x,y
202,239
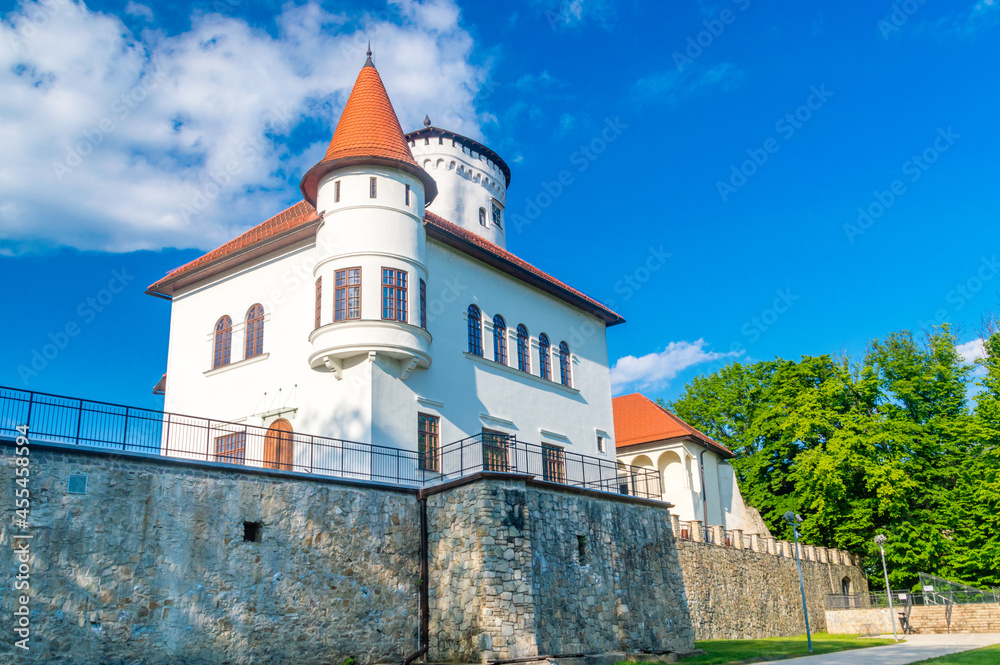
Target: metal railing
x,y
79,422
873,599
939,591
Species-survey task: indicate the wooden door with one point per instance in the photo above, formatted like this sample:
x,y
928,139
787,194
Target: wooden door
x,y
278,446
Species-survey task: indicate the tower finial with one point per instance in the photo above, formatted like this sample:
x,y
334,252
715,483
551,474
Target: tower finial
x,y
368,62
369,48
427,121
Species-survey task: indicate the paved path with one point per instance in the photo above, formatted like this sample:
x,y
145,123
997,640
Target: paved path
x,y
915,648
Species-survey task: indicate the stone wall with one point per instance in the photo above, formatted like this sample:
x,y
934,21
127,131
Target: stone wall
x,y
862,621
150,565
736,593
924,619
520,568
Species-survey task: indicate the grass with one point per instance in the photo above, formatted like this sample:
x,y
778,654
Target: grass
x,y
724,652
987,656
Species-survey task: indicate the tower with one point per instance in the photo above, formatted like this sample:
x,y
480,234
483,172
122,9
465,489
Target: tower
x,y
370,246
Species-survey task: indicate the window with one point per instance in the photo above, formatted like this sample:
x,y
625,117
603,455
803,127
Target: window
x,y
564,374
523,349
475,331
373,193
347,294
231,448
495,446
499,340
497,215
602,444
423,304
407,195
428,442
394,295
319,302
482,216
554,464
223,342
255,331
544,357
336,191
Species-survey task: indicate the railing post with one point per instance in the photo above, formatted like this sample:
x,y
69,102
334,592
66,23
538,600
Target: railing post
x,y
208,440
312,446
79,418
125,433
31,400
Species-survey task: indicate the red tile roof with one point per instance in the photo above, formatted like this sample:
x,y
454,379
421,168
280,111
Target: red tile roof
x,y
368,132
640,420
300,221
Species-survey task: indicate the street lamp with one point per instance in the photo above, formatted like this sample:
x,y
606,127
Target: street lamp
x,y
795,520
880,541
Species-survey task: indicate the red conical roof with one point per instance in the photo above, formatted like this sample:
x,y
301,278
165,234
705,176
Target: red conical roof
x,y
368,133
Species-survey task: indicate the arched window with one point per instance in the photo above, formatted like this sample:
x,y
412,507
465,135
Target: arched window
x,y
278,445
475,331
523,349
564,373
544,357
255,331
499,340
482,216
223,342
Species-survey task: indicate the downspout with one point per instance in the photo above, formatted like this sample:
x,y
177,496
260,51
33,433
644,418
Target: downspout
x,y
423,637
701,474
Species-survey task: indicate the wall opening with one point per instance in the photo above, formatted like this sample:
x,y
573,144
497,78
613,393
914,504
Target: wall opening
x,y
252,532
581,549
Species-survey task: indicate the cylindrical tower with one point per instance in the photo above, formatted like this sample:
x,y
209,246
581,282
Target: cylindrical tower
x,y
370,248
472,180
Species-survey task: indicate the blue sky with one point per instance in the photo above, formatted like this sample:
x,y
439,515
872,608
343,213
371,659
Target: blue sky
x,y
723,218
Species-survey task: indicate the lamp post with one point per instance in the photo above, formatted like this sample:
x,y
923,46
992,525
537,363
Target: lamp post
x,y
880,541
794,520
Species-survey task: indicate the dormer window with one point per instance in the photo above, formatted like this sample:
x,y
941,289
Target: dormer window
x,y
374,188
482,216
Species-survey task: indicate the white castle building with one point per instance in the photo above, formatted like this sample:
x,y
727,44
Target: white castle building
x,y
384,309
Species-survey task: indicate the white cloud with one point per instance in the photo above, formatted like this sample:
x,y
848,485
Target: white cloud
x,y
112,139
655,370
562,14
971,351
672,86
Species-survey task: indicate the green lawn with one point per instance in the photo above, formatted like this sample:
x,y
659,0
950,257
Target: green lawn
x,y
721,652
987,656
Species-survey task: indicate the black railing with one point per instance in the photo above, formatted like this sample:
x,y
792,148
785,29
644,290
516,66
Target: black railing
x,y
78,422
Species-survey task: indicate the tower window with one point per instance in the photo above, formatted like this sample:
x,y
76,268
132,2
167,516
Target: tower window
x,y
427,140
497,215
394,295
499,340
482,216
255,331
523,349
423,304
373,193
336,191
407,195
319,301
544,357
223,342
428,442
347,294
475,331
602,444
440,140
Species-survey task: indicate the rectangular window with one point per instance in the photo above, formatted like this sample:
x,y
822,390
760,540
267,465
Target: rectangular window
x,y
347,294
336,191
394,295
497,215
482,216
374,188
407,195
319,301
554,464
602,444
231,448
495,451
428,442
423,304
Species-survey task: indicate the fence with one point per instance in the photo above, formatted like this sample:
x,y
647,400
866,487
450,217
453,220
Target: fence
x,y
72,421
